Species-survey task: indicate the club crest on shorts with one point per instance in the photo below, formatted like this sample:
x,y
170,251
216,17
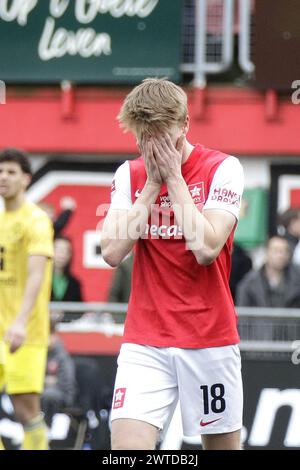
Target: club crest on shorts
x,y
119,398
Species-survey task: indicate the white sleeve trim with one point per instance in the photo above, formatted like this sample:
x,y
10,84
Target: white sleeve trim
x,y
227,187
121,188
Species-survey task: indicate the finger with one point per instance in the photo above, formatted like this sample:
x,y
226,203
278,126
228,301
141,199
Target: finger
x,y
150,152
165,148
152,167
156,151
162,156
180,143
159,147
16,343
13,347
153,160
168,142
161,163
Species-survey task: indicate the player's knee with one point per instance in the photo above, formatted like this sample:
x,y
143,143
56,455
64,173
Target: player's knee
x,y
25,410
121,439
22,414
136,442
227,441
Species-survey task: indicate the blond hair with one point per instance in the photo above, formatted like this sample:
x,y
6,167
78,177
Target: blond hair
x,y
152,107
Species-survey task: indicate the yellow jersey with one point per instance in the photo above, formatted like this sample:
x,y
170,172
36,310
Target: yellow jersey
x,y
24,232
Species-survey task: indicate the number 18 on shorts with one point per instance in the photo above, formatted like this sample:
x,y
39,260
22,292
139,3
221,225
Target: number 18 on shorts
x,y
207,382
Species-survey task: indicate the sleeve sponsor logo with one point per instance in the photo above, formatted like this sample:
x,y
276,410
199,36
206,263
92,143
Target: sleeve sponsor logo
x,y
226,196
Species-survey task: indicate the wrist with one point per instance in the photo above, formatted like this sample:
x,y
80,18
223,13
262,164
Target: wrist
x,y
174,180
153,185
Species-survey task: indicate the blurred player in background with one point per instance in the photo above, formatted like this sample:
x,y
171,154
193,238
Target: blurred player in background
x,y
26,251
178,205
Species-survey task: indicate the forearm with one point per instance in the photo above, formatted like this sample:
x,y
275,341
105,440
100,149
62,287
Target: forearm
x,y
32,288
198,232
119,236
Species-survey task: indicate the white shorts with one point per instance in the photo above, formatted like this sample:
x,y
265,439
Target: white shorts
x,y
207,382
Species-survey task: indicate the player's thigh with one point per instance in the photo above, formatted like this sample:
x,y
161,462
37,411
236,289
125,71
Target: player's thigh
x,y
25,370
145,391
131,434
226,441
210,391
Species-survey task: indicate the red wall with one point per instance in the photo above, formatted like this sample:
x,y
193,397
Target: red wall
x,y
238,121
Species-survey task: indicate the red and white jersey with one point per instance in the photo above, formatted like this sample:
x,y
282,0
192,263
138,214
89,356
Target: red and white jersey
x,y
175,302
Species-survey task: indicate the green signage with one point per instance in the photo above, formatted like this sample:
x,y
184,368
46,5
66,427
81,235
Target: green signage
x,y
252,227
89,41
